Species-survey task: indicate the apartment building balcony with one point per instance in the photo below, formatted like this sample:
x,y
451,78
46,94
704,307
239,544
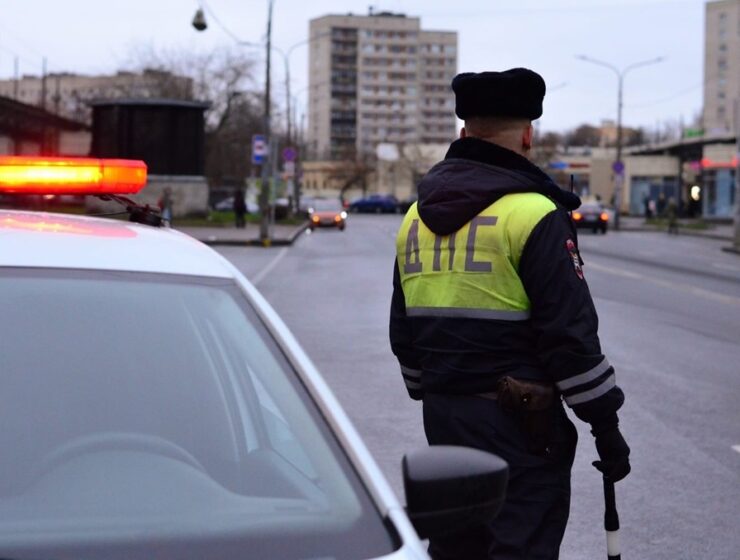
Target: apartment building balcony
x,y
343,104
346,89
343,117
343,133
343,50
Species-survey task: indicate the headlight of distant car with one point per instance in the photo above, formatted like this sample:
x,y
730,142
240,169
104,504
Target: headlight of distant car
x,y
343,215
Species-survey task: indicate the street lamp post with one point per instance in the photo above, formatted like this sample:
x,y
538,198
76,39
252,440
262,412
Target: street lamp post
x,y
266,184
618,166
736,238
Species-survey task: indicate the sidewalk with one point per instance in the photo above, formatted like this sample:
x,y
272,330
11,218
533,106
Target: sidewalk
x,y
723,232
281,235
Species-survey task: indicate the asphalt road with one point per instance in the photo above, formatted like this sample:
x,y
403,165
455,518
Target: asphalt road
x,y
670,324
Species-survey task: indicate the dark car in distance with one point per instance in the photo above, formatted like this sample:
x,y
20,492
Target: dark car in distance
x,y
593,216
377,203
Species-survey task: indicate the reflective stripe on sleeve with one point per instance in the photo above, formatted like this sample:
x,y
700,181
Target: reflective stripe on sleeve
x,y
583,378
412,384
594,393
409,372
468,313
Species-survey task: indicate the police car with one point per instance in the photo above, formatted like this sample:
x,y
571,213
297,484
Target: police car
x,y
154,405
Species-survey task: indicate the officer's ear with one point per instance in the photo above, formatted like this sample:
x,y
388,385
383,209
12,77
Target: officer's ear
x,y
527,137
463,132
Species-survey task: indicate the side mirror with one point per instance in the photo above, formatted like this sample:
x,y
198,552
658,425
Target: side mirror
x,y
199,20
448,488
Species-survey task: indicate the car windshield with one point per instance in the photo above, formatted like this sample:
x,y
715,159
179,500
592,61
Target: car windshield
x,y
149,412
590,208
329,205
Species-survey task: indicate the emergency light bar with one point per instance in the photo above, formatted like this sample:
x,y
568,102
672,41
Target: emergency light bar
x,y
80,176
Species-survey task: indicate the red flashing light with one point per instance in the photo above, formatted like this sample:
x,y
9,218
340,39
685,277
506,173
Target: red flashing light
x,y
47,175
604,217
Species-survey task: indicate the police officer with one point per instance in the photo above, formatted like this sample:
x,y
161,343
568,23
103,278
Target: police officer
x,y
493,324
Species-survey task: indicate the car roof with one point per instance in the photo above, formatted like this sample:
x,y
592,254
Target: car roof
x,y
48,240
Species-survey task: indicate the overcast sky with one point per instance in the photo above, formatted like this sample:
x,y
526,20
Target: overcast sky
x,y
98,36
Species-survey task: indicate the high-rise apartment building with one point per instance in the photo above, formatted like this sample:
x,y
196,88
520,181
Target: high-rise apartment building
x,y
721,65
376,79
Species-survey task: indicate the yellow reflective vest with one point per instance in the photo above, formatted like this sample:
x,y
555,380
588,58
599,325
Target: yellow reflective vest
x,y
472,272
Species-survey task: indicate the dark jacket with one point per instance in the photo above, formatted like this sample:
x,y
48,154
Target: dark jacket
x,y
558,343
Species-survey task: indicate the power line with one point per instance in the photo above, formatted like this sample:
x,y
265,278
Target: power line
x,y
19,57
669,97
214,17
28,46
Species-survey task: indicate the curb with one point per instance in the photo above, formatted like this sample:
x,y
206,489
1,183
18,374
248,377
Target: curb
x,y
731,249
255,242
680,232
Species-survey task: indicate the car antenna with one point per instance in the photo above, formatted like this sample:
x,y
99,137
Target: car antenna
x,y
572,180
137,213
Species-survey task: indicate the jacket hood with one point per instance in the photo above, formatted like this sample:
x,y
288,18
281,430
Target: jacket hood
x,y
474,175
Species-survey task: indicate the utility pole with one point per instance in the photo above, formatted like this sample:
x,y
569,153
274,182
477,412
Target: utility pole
x,y
618,167
736,241
266,165
16,77
43,84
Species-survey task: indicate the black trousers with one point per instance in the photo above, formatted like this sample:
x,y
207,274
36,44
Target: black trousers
x,y
532,522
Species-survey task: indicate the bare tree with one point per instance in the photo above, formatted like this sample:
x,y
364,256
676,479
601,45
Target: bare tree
x,y
352,171
215,75
223,77
584,135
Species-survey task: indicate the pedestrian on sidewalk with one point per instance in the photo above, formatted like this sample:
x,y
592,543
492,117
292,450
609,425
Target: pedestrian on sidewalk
x,y
240,209
165,205
672,216
492,321
646,205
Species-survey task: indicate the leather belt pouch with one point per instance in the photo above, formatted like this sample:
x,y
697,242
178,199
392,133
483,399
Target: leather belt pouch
x,y
531,402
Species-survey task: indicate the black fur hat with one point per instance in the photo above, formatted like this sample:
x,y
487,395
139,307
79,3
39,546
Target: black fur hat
x,y
513,93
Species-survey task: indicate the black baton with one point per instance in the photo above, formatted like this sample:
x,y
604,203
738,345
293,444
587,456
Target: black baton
x,y
611,522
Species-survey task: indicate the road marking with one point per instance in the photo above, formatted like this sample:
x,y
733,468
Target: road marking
x,y
272,264
736,448
731,300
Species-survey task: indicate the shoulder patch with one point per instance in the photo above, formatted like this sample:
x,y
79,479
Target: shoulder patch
x,y
574,257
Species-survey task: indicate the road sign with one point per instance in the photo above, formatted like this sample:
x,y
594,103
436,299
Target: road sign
x,y
259,149
289,169
289,154
618,167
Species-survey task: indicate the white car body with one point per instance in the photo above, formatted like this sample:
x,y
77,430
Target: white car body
x,y
56,241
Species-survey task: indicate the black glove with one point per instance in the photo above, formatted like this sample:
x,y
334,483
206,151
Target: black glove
x,y
613,453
